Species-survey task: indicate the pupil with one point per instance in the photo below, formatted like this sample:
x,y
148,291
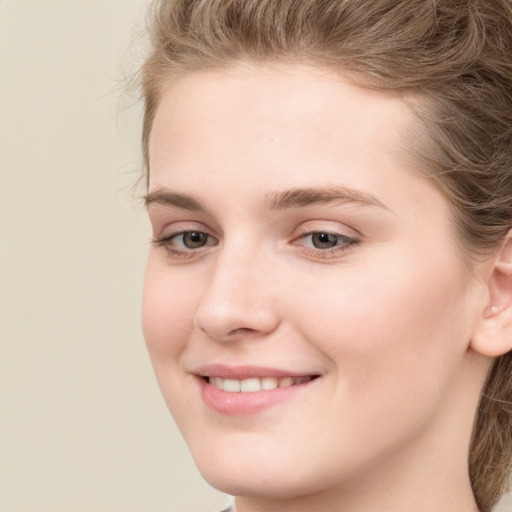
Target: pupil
x,y
324,240
194,239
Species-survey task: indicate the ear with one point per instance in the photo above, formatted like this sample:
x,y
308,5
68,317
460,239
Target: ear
x,y
493,335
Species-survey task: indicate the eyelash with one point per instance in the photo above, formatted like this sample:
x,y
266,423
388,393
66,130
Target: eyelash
x,y
343,244
185,252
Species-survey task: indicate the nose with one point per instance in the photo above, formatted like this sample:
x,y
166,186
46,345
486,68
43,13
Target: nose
x,y
238,301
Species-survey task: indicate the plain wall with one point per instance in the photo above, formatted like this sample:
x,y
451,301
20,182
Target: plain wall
x,y
82,423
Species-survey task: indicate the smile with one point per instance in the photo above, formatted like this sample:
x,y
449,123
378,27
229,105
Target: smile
x,y
254,384
249,390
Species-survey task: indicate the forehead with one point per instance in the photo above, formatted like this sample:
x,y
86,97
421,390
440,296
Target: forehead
x,y
247,112
244,132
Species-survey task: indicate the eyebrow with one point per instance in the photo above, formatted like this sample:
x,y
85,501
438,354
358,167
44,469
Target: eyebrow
x,y
166,197
301,197
288,199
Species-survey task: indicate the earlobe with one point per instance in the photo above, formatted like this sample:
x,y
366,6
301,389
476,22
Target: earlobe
x,y
493,336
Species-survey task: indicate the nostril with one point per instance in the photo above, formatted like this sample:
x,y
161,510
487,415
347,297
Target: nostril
x,y
241,330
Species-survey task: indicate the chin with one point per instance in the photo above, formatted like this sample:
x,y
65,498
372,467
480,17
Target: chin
x,y
251,471
254,482
267,472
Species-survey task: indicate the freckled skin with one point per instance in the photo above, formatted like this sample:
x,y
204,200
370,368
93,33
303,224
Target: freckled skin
x,y
386,322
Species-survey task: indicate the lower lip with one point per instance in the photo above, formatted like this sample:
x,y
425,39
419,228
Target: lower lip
x,y
247,403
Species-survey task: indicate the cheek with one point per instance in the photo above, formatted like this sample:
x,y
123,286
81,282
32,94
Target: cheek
x,y
168,310
394,348
390,325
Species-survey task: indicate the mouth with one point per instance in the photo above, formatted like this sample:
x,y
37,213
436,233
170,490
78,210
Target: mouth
x,y
255,384
250,390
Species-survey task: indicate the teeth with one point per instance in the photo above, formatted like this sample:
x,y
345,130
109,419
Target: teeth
x,y
255,384
250,385
268,383
286,382
217,382
231,385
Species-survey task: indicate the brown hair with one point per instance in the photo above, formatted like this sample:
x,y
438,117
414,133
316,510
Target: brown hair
x,y
454,55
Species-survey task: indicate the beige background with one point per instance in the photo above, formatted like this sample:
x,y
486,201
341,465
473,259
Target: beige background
x,y
82,424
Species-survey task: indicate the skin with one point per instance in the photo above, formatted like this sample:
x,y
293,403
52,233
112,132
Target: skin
x,y
385,318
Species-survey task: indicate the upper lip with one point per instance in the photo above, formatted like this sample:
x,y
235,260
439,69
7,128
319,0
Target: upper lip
x,y
246,372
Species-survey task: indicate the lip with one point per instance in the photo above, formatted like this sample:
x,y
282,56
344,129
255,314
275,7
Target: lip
x,y
239,403
246,372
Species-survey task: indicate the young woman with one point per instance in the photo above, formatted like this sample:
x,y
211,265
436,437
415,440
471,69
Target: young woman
x,y
328,296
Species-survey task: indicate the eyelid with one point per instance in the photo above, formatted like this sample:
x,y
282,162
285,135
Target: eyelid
x,y
171,236
327,226
170,229
315,227
335,252
178,251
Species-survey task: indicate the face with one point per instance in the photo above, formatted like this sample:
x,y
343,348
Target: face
x,y
305,307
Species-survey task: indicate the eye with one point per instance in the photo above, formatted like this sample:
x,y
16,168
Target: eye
x,y
324,240
185,243
192,239
324,244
